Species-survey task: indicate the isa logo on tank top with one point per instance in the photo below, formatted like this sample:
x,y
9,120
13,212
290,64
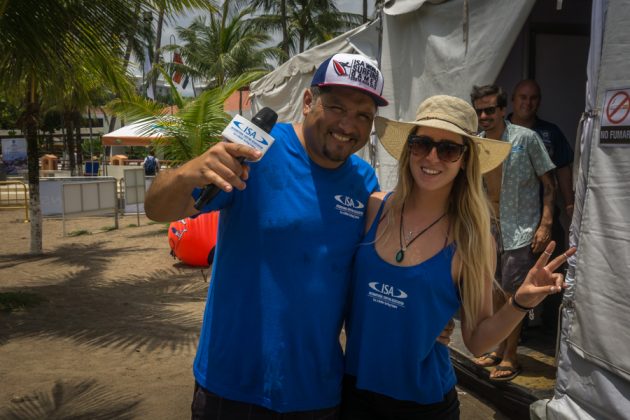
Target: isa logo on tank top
x,y
350,207
387,295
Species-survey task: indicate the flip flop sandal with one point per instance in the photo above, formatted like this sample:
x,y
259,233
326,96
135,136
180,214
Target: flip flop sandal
x,y
514,372
495,360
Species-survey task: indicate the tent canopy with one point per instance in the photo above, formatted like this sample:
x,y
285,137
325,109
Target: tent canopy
x,y
139,133
136,134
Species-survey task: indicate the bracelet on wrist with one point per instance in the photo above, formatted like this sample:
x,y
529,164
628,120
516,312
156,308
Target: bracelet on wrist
x,y
519,306
522,308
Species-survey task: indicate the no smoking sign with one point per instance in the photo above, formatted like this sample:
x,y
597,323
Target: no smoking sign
x,y
615,128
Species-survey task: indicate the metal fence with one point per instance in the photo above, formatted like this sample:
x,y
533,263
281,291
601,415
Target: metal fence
x,y
14,195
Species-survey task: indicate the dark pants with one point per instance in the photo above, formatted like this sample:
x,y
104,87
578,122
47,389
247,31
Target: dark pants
x,y
209,406
358,404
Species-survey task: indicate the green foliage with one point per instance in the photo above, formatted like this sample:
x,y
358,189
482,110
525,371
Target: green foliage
x,y
304,23
11,301
9,114
52,121
195,127
226,45
92,145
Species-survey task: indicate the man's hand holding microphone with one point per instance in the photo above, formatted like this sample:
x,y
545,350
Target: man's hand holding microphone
x,y
221,167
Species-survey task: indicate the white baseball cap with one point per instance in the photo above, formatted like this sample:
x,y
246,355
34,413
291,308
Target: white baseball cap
x,y
354,71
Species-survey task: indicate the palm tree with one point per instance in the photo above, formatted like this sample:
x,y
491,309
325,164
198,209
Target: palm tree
x,y
304,23
278,8
316,21
169,8
42,41
139,36
195,127
226,47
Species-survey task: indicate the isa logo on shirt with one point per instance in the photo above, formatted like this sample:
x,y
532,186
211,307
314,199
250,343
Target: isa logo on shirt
x,y
387,295
349,206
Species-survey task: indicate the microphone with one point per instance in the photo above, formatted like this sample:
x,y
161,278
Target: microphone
x,y
254,133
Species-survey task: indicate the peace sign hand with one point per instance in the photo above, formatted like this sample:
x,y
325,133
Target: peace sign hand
x,y
541,279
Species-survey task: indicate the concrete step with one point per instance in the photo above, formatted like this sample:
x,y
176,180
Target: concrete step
x,y
537,380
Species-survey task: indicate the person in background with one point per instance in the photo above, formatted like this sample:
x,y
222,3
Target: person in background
x,y
513,188
428,251
151,164
289,227
525,103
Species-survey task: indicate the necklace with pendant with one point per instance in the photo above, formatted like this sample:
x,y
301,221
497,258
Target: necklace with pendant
x,y
400,255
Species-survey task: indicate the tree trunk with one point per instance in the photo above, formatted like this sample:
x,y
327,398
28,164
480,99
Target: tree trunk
x,y
126,58
79,142
31,115
158,45
112,124
285,31
70,143
130,39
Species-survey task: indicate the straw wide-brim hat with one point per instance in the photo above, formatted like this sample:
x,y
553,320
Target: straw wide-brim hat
x,y
447,113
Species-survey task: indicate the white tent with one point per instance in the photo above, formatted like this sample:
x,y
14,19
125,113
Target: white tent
x,y
593,380
135,134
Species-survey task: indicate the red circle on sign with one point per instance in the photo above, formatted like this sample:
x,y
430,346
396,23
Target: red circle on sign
x,y
610,113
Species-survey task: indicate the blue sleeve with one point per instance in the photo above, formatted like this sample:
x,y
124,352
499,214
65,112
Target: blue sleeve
x,y
563,155
538,155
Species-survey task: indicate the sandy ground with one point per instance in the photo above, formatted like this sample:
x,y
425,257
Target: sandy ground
x,y
118,331
116,336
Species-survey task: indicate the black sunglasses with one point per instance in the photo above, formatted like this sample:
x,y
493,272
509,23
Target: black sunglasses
x,y
488,111
447,151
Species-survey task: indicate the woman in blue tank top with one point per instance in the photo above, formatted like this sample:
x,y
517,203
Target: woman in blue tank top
x,y
427,251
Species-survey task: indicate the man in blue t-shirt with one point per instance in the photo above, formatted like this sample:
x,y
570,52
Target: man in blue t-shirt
x,y
288,229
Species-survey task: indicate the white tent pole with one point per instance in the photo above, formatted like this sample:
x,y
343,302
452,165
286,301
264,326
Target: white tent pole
x,y
373,149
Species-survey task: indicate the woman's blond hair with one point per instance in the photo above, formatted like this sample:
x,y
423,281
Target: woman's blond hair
x,y
469,214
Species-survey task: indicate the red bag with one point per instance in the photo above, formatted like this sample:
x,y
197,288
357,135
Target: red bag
x,y
192,240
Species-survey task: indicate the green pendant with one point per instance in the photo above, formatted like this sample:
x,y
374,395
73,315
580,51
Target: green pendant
x,y
400,255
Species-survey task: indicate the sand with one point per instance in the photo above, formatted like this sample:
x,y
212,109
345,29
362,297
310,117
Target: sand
x,y
117,333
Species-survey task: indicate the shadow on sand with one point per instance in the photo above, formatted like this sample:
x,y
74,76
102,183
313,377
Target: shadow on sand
x,y
157,310
72,400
